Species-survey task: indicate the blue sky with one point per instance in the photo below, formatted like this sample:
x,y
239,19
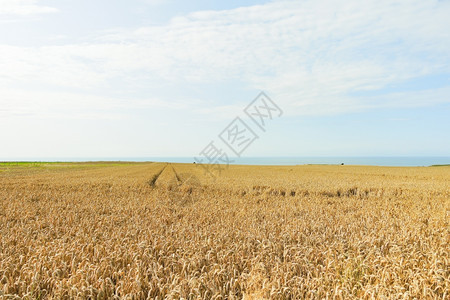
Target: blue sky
x,y
140,78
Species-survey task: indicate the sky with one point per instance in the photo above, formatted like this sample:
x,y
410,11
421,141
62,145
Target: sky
x,y
147,78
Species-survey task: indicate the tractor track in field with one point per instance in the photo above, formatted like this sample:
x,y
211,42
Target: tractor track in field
x,y
176,175
155,177
173,180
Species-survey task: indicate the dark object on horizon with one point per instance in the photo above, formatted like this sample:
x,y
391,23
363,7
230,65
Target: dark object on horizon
x,y
342,164
194,162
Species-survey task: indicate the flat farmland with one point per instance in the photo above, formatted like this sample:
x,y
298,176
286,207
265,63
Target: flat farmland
x,y
170,231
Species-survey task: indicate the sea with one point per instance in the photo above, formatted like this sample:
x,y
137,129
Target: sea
x,y
400,161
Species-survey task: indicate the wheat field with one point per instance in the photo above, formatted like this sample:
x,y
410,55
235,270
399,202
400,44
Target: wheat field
x,y
169,231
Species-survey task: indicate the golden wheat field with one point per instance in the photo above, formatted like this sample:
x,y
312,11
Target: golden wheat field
x,y
168,231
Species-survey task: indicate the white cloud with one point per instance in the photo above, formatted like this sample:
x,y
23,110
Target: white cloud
x,y
23,8
155,2
63,105
309,55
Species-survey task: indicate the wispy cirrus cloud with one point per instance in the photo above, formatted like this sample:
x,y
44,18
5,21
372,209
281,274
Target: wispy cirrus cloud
x,y
24,8
312,56
63,105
